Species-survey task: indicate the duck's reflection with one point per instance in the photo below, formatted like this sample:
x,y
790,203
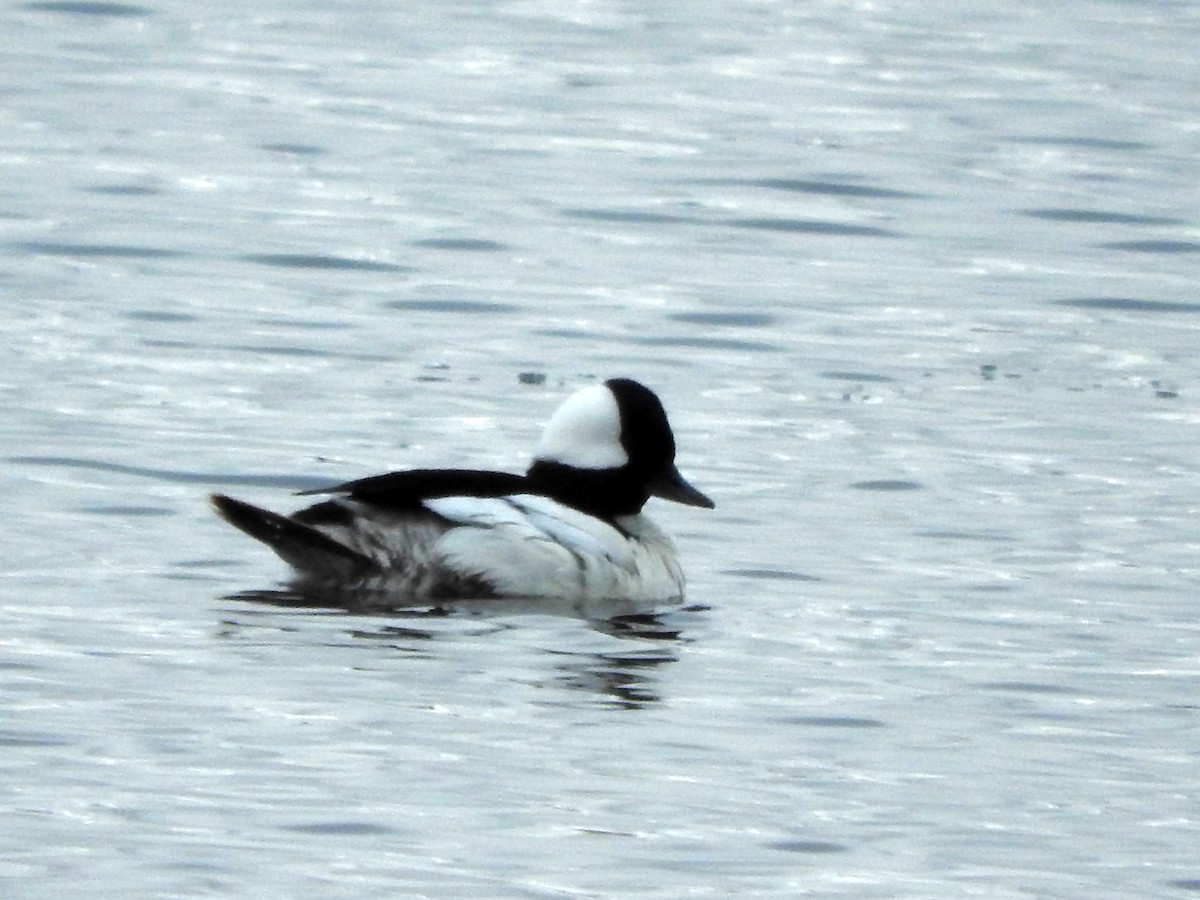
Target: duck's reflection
x,y
618,617
624,679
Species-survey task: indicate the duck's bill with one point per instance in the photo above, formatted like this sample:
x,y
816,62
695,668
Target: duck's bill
x,y
672,486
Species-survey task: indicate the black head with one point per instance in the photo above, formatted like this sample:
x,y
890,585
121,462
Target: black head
x,y
608,449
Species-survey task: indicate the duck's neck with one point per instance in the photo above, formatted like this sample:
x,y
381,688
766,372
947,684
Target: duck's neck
x,y
606,493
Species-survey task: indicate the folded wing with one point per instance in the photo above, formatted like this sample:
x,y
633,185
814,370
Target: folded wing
x,y
530,545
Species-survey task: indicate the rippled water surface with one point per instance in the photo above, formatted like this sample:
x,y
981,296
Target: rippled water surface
x,y
918,285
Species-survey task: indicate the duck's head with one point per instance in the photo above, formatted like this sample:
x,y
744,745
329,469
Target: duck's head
x,y
608,449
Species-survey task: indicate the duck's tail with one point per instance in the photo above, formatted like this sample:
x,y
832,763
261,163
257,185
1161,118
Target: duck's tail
x,y
310,552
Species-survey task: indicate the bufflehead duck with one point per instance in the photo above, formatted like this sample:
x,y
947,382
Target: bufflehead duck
x,y
570,528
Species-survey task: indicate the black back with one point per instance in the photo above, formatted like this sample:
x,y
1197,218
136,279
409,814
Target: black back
x,y
405,490
645,436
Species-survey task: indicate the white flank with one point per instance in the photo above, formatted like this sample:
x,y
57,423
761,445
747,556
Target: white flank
x,y
577,530
531,546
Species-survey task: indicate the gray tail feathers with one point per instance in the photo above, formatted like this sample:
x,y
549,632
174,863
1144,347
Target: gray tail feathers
x,y
308,551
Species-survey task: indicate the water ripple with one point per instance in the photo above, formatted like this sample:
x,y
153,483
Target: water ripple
x,y
80,8
340,829
319,261
293,482
1130,304
295,149
811,847
771,574
124,190
707,343
625,217
1154,246
1096,216
30,739
733,319
116,251
1027,687
465,245
886,484
831,188
452,306
812,226
836,722
856,376
1087,143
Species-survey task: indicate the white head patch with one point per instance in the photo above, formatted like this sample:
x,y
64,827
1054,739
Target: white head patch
x,y
585,432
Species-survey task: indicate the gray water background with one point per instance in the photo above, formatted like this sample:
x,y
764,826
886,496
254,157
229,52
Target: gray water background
x,y
918,285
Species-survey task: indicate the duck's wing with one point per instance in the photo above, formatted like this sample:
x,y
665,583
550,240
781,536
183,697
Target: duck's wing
x,y
538,518
528,545
576,530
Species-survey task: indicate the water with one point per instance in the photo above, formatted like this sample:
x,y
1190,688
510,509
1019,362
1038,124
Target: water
x,y
917,284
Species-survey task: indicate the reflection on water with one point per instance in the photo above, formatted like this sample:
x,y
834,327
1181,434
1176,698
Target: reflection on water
x,y
619,617
624,680
416,628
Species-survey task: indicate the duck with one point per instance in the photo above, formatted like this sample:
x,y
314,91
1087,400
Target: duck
x,y
571,528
